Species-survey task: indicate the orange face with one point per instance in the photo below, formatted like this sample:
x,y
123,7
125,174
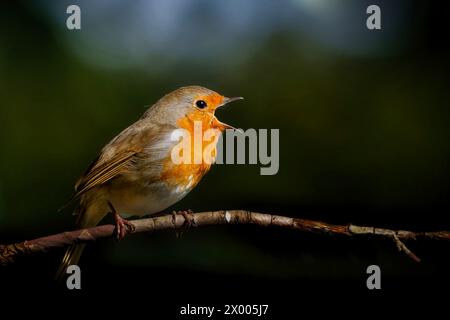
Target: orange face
x,y
203,110
200,121
212,102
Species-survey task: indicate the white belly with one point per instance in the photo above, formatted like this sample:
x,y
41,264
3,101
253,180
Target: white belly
x,y
151,200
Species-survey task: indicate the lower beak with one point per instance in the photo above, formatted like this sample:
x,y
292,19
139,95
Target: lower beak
x,y
220,125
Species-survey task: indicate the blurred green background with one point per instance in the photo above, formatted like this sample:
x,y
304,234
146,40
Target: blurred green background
x,y
363,119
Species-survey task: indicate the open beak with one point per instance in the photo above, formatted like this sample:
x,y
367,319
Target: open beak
x,y
220,125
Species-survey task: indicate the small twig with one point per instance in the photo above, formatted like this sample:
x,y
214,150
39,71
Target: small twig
x,y
9,253
402,247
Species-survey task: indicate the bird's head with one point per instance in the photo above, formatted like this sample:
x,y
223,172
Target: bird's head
x,y
193,103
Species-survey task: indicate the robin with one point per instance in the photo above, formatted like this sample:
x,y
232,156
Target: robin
x,y
134,174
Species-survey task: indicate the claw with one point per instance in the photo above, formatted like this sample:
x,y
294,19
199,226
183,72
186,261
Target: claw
x,y
189,220
122,226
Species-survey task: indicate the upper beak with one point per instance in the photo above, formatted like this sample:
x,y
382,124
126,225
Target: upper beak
x,y
227,100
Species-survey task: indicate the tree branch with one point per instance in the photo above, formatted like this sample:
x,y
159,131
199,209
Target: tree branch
x,y
9,253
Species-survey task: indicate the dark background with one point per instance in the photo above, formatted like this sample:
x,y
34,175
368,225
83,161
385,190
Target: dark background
x,y
363,119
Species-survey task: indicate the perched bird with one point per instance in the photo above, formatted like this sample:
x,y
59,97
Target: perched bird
x,y
135,174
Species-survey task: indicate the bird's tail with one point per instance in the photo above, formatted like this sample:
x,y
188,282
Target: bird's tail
x,y
89,217
71,257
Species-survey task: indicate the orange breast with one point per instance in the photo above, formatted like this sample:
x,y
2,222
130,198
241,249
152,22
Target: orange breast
x,y
186,175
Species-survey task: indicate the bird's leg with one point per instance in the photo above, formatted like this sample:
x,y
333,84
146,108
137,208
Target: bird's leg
x,y
123,226
189,220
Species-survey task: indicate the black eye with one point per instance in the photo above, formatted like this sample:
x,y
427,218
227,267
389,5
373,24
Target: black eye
x,y
200,104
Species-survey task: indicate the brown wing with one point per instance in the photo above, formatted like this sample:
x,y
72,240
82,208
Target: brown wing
x,y
103,171
125,151
98,172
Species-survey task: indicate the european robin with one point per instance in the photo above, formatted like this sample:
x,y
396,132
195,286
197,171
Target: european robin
x,y
134,174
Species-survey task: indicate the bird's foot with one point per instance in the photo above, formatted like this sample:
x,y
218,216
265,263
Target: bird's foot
x,y
189,220
122,226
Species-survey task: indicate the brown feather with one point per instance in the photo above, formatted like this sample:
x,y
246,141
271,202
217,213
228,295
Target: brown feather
x,y
103,172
